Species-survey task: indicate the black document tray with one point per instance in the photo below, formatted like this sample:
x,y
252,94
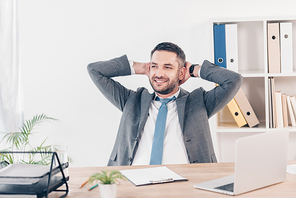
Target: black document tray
x,y
30,179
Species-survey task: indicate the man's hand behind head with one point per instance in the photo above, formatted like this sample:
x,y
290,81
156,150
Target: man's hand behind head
x,y
187,73
142,68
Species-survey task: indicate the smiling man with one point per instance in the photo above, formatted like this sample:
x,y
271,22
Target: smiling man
x,y
165,73
169,126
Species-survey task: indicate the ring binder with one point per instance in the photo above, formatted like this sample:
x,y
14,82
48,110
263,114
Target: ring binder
x,y
40,182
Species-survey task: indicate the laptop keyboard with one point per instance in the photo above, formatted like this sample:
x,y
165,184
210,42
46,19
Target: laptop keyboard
x,y
227,187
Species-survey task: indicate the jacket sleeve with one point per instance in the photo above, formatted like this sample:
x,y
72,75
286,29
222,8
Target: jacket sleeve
x,y
101,73
228,82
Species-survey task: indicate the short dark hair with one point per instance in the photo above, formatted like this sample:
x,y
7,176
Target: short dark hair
x,y
171,47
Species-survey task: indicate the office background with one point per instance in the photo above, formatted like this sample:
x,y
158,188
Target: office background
x,y
58,39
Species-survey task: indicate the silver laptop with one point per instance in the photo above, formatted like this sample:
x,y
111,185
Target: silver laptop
x,y
260,160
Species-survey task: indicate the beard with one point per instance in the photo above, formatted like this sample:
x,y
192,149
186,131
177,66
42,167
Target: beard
x,y
164,89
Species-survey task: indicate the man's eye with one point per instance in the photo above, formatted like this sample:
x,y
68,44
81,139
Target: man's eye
x,y
168,67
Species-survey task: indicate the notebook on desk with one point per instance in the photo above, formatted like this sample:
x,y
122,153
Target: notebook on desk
x,y
260,161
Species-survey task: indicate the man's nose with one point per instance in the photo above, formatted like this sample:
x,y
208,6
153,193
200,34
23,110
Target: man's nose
x,y
160,72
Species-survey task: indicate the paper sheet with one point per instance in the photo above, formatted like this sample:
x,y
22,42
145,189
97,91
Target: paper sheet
x,y
291,169
150,175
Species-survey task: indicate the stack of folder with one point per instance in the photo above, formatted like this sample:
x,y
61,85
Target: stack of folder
x,y
280,47
226,55
282,108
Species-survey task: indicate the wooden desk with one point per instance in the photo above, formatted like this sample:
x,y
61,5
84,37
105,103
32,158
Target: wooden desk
x,y
195,173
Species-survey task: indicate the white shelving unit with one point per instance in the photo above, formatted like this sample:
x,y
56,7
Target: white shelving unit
x,y
253,66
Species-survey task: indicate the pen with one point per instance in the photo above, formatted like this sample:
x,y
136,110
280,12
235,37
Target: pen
x,y
161,181
83,184
93,187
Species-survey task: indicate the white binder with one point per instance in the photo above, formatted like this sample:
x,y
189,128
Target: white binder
x,y
279,112
291,114
274,53
286,47
231,47
285,110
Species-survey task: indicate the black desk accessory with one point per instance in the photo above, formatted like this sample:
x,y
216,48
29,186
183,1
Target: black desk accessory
x,y
19,179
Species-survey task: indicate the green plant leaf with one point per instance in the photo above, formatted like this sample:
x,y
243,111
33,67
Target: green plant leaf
x,y
21,141
7,157
29,125
107,176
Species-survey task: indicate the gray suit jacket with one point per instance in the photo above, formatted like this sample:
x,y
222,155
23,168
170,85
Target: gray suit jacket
x,y
194,108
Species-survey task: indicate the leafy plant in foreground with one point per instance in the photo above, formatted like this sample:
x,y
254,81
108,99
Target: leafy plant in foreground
x,y
20,141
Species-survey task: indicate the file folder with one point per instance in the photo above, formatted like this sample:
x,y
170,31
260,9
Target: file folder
x,y
273,41
279,112
291,113
231,47
219,45
246,108
286,47
285,110
236,113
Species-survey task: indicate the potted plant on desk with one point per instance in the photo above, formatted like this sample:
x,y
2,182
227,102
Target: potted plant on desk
x,y
107,182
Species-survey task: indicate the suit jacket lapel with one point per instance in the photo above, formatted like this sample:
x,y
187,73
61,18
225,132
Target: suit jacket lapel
x,y
145,105
181,102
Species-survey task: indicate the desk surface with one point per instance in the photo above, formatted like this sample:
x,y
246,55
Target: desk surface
x,y
195,173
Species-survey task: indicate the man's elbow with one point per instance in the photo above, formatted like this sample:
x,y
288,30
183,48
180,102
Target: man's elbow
x,y
90,67
238,81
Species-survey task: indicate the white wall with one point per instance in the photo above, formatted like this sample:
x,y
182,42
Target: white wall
x,y
60,37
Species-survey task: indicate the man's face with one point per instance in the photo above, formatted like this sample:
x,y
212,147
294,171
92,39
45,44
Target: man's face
x,y
165,73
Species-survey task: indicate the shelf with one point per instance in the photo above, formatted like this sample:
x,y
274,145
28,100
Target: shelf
x,y
252,60
253,66
291,129
252,74
281,74
231,127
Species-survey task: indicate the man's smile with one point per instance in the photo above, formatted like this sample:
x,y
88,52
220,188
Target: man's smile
x,y
160,80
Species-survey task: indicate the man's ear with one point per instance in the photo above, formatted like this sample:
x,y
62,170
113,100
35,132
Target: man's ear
x,y
182,73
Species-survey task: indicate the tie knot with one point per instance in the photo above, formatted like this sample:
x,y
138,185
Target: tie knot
x,y
165,100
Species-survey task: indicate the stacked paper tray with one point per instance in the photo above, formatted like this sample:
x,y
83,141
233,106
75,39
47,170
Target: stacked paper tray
x,y
29,179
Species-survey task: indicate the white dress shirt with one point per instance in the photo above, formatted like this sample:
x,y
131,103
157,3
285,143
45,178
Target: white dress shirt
x,y
174,150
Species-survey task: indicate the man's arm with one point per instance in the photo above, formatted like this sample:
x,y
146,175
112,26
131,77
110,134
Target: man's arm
x,y
101,73
229,82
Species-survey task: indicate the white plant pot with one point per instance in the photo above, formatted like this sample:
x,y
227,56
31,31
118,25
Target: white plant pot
x,y
108,190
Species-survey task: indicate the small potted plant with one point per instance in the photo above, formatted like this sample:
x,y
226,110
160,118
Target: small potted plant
x,y
107,182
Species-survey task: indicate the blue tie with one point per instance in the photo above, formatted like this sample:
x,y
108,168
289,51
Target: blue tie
x,y
158,138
